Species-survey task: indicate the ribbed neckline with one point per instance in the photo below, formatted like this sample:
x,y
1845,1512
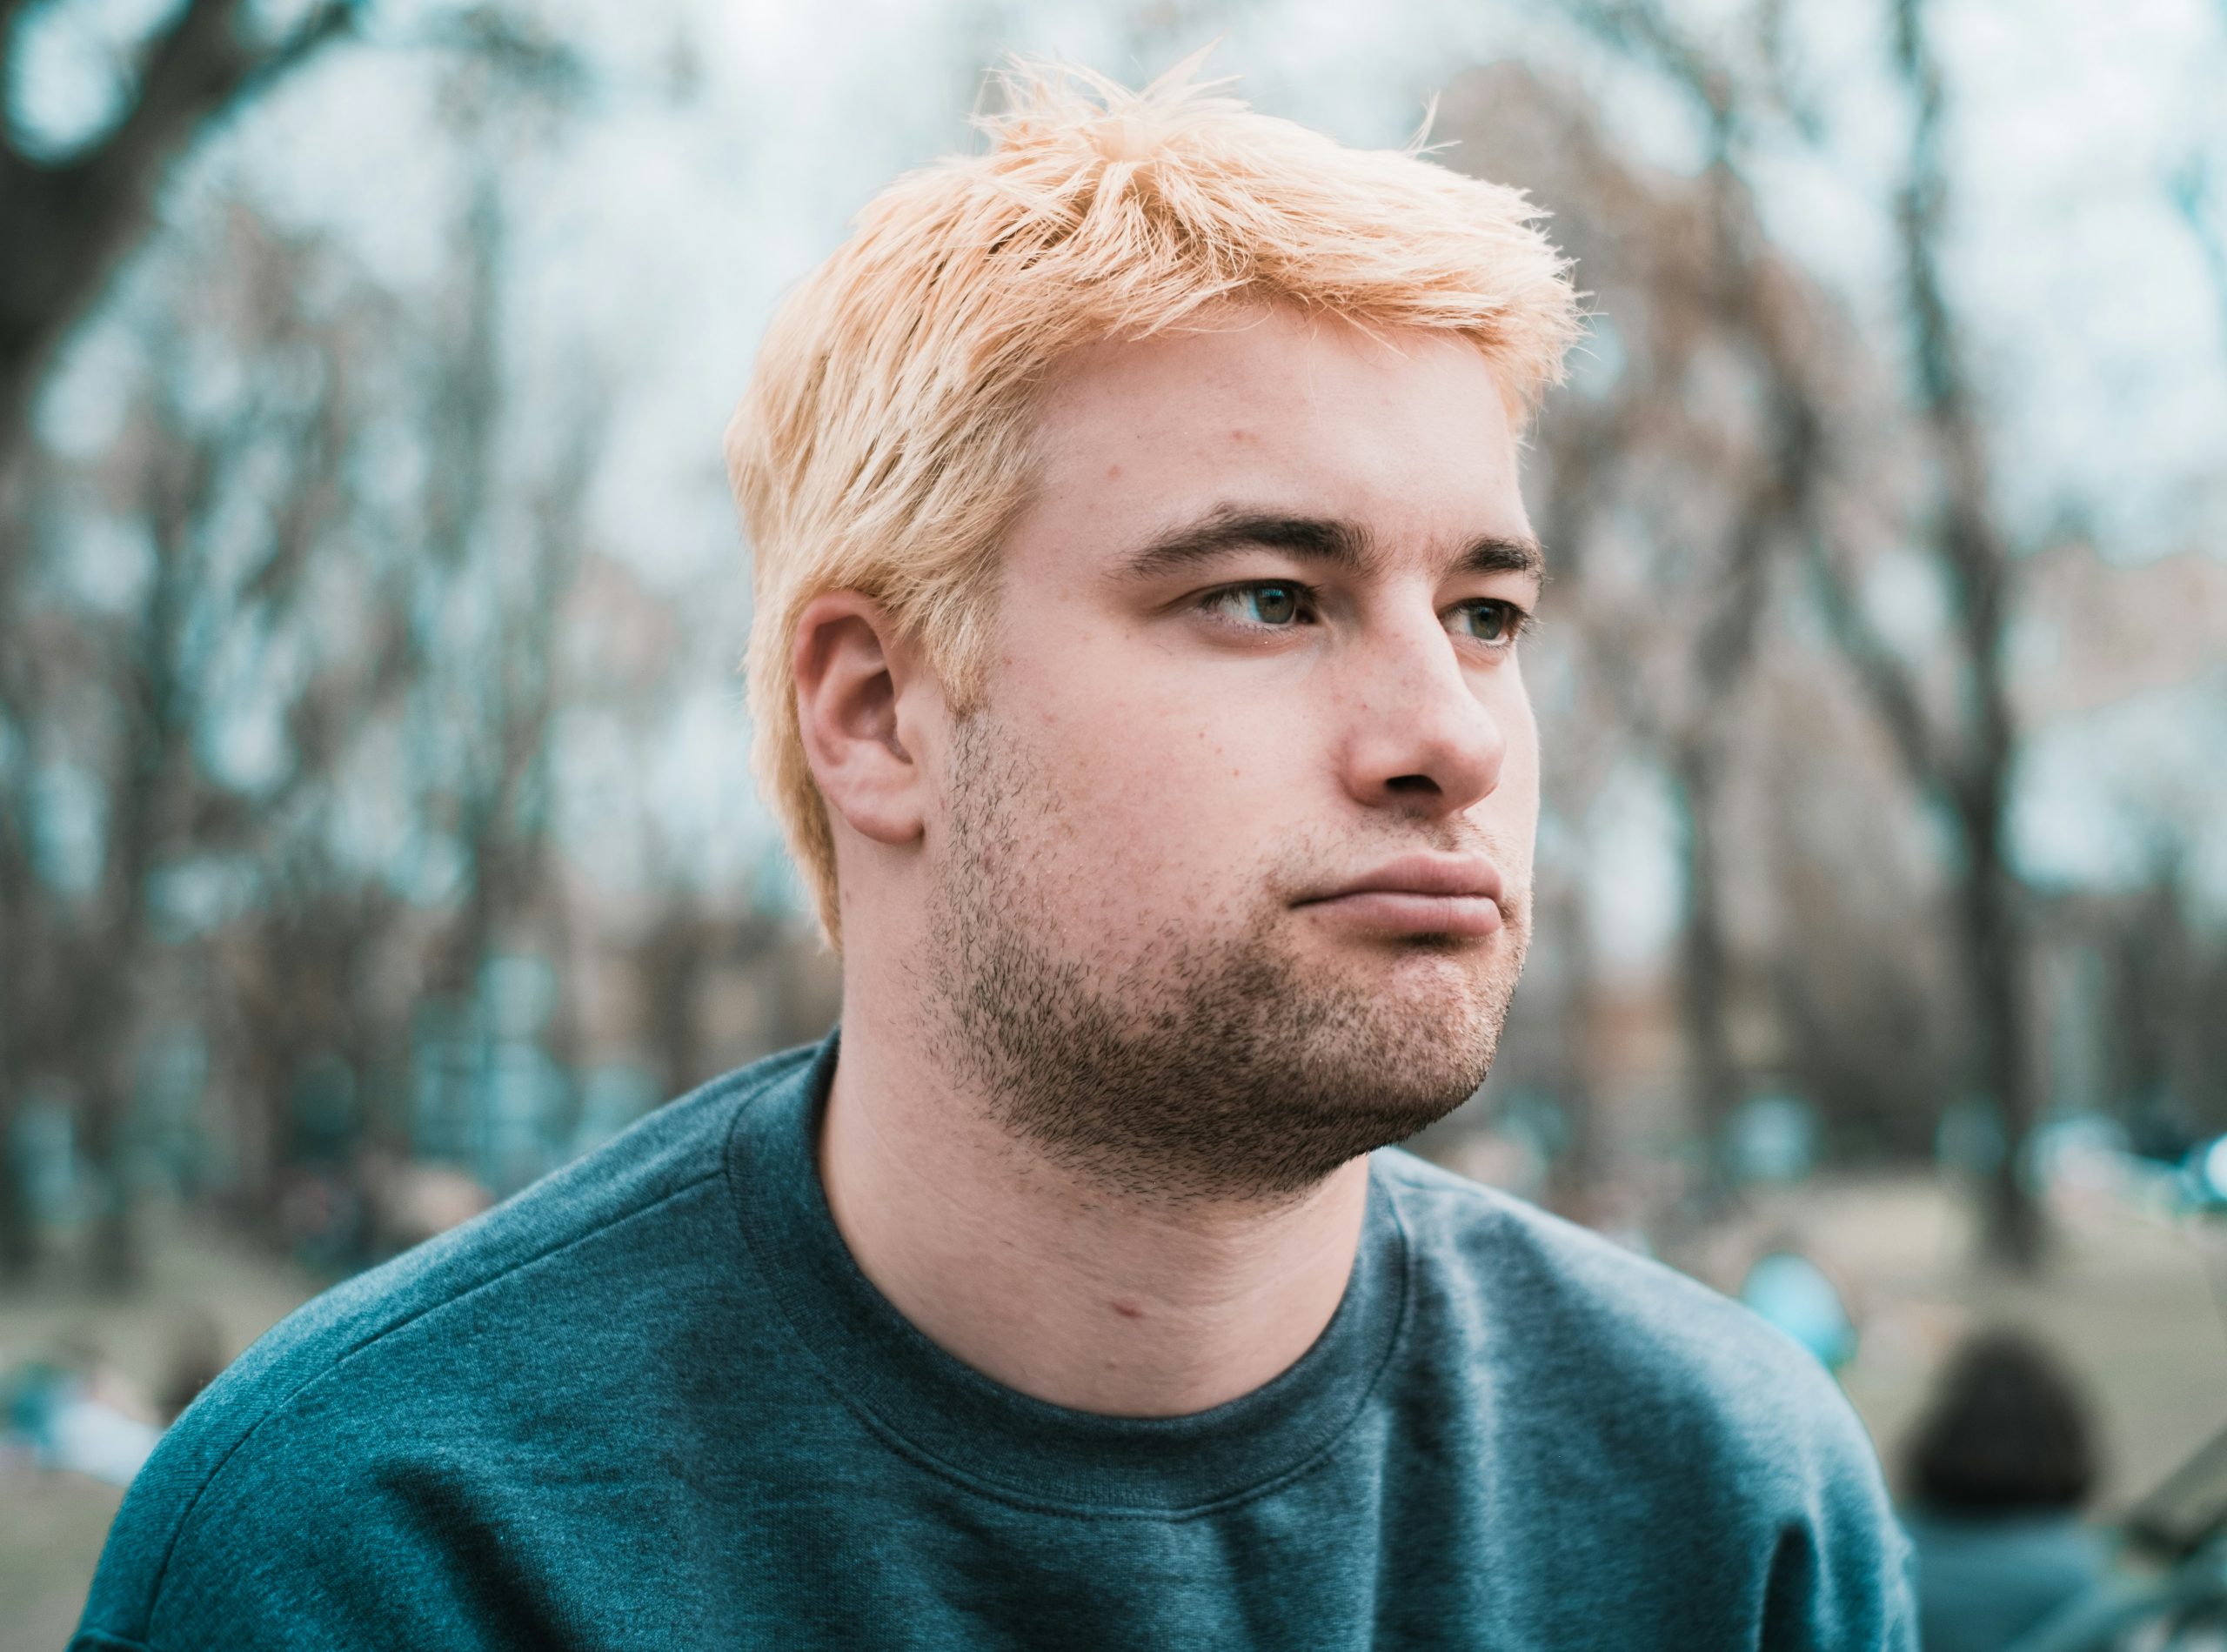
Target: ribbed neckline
x,y
1001,1441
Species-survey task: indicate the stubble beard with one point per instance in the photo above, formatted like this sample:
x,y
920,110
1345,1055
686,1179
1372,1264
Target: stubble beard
x,y
1216,1067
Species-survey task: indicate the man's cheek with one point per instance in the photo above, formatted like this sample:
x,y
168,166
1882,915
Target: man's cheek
x,y
1154,819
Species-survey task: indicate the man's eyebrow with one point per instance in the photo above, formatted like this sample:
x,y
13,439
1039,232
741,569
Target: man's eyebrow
x,y
1330,540
1503,553
1312,539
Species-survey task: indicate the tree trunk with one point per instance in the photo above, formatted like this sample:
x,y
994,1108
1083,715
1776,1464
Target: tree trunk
x,y
115,1260
1574,1183
19,1245
1990,919
1709,1077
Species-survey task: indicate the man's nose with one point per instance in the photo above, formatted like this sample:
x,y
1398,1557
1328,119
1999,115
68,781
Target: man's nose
x,y
1421,737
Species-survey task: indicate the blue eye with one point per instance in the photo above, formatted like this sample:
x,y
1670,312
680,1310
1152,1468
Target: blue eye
x,y
1489,620
1268,603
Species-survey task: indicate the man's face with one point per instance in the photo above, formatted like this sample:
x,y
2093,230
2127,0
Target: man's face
x,y
1233,857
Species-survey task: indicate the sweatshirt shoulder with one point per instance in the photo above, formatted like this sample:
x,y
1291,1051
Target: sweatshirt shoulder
x,y
1611,1371
1566,1300
673,1152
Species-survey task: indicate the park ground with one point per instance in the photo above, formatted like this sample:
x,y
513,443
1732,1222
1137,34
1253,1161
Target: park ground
x,y
2133,1297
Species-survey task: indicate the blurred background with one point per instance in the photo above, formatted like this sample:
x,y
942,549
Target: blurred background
x,y
375,828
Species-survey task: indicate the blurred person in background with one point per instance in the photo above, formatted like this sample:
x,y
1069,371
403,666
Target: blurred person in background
x,y
78,1412
1999,1469
1140,573
1790,1289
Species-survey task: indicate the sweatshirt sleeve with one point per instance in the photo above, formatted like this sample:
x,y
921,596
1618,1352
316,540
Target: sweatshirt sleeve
x,y
1840,1575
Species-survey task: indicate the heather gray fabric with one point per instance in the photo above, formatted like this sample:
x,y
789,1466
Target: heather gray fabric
x,y
650,1402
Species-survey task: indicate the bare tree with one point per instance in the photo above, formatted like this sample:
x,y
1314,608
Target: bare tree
x,y
1958,745
121,687
1962,754
66,224
255,537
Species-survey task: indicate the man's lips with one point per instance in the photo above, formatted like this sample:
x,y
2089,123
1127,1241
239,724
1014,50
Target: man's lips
x,y
1418,894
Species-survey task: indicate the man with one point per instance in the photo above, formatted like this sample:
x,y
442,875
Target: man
x,y
1140,569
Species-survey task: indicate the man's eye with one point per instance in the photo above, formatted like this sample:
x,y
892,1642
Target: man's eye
x,y
1487,620
1267,604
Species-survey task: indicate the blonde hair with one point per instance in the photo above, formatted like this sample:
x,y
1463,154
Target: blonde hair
x,y
884,444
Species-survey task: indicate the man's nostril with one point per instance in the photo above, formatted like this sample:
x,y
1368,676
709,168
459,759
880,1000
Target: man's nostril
x,y
1412,783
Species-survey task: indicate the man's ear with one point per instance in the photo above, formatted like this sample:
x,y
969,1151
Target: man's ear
x,y
852,674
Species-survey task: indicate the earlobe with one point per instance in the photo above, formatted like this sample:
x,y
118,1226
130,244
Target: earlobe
x,y
851,674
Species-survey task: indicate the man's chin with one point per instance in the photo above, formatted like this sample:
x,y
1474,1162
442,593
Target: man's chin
x,y
1417,1020
1440,978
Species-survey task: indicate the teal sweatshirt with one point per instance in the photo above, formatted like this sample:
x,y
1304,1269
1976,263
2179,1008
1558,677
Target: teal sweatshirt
x,y
651,1403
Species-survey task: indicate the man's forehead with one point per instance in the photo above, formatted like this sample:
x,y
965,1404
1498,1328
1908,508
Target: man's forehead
x,y
1394,447
1228,355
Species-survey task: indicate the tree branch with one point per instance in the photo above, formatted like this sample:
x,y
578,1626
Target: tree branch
x,y
1884,676
67,227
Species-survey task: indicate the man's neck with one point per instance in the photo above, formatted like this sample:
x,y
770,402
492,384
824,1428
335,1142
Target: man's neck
x,y
1052,1286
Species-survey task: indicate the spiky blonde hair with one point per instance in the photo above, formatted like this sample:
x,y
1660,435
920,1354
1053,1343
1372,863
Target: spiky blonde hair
x,y
884,444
